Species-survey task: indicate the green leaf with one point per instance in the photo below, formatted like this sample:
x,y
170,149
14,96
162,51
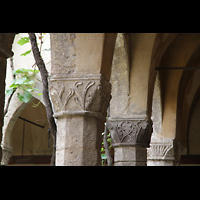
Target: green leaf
x,y
39,94
20,81
29,82
29,89
103,156
109,140
23,41
9,91
20,96
47,49
35,89
26,53
24,71
26,97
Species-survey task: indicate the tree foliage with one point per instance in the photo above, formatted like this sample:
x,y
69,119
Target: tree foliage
x,y
25,82
25,77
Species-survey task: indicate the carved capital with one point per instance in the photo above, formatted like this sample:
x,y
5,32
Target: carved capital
x,y
130,132
167,150
7,151
82,94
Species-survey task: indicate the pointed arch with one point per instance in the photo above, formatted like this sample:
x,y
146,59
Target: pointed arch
x,y
161,43
15,108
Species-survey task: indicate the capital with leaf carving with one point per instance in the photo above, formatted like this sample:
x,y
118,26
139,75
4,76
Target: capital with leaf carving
x,y
80,94
130,131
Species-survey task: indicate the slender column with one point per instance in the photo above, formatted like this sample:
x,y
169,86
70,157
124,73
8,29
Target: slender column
x,y
7,152
80,102
130,138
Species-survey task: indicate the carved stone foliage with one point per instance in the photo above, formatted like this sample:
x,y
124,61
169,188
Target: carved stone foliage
x,y
130,132
159,151
80,93
167,150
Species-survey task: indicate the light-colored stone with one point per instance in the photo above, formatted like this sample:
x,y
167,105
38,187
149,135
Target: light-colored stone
x,y
80,102
7,151
120,78
166,153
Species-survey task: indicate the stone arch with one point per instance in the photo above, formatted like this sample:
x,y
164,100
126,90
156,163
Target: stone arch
x,y
193,128
15,108
187,96
161,43
178,53
6,40
14,111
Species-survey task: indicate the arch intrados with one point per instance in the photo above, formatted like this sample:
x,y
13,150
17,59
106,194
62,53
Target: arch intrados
x,y
186,79
12,116
161,43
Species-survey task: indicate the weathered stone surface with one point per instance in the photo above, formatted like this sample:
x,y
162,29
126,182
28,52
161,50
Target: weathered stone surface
x,y
7,151
157,112
130,154
130,132
63,53
130,164
120,78
80,102
80,92
130,137
165,153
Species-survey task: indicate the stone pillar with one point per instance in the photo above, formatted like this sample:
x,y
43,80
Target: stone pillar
x,y
164,153
130,138
2,92
4,54
80,102
7,152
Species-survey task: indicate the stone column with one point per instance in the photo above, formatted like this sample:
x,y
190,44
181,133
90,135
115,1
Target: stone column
x,y
80,102
4,54
164,153
130,138
7,152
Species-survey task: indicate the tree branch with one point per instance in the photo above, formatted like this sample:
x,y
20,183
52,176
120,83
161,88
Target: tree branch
x,y
10,97
109,159
44,74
